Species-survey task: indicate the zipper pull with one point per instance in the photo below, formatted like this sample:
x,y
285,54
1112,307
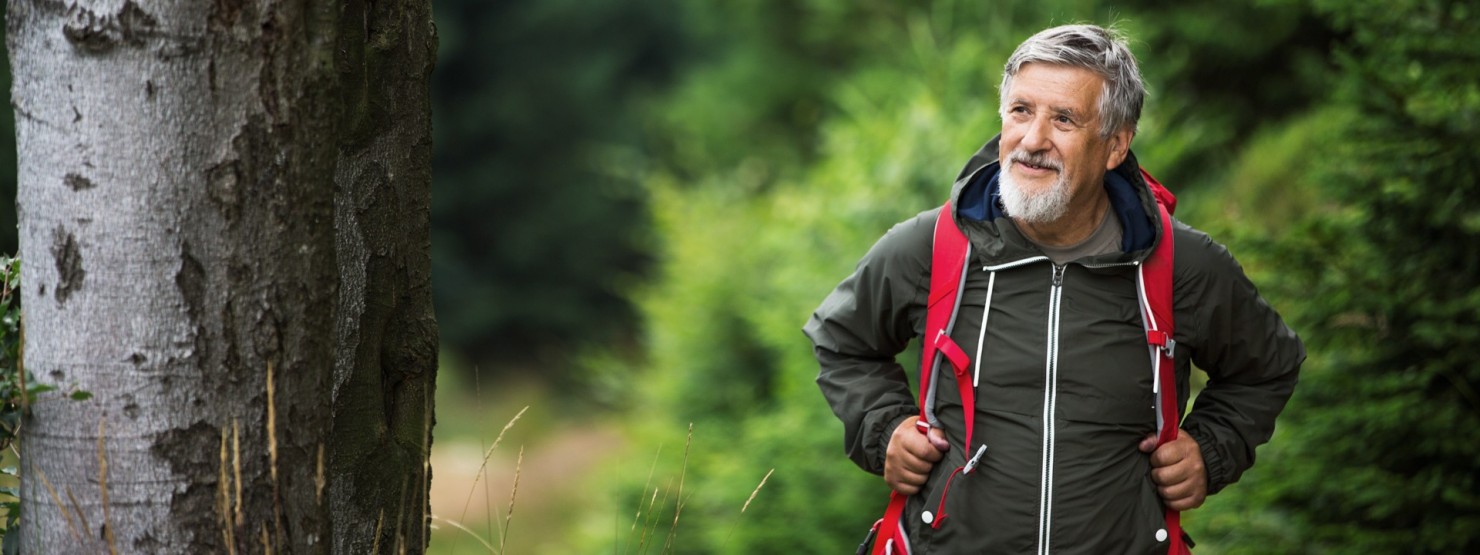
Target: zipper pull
x,y
1058,275
977,458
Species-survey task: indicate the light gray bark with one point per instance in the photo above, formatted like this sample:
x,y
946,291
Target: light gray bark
x,y
177,162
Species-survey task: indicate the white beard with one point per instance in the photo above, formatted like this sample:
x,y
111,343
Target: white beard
x,y
1035,207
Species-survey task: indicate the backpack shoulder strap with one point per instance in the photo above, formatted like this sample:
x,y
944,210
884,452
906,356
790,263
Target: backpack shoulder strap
x,y
949,252
1156,293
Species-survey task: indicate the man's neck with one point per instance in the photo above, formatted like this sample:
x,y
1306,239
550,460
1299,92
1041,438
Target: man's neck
x,y
1077,224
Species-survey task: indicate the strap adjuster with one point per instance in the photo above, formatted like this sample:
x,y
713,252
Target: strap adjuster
x,y
1162,340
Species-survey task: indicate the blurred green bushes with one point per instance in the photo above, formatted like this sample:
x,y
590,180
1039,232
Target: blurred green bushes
x,y
1380,451
1332,145
539,224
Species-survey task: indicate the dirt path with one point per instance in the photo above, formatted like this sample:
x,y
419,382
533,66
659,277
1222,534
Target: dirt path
x,y
549,481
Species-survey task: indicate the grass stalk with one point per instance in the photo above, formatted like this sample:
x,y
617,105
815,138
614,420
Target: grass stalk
x,y
482,468
637,517
236,469
747,504
379,522
272,456
474,535
653,521
223,501
77,508
678,500
66,515
513,494
103,486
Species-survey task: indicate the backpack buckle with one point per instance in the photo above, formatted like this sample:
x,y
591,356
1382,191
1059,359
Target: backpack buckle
x,y
1162,340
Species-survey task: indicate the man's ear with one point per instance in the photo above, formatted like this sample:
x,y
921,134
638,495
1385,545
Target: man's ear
x,y
1120,145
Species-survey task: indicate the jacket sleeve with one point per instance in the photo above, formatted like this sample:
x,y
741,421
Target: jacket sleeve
x,y
859,329
1251,357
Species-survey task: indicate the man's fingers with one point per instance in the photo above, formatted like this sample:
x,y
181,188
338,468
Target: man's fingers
x,y
1177,490
1177,470
929,453
910,457
916,465
1167,455
1173,451
1148,444
920,446
908,484
1168,475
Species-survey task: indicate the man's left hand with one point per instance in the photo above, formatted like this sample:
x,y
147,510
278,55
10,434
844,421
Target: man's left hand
x,y
1177,469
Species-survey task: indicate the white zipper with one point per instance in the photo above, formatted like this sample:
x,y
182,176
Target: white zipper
x,y
981,338
1050,399
1015,263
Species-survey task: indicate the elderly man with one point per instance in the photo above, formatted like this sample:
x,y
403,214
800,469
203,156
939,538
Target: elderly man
x,y
1058,218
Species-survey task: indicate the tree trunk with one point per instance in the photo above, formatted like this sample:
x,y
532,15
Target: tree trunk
x,y
386,357
178,166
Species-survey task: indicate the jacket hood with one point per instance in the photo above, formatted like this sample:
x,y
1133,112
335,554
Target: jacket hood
x,y
976,203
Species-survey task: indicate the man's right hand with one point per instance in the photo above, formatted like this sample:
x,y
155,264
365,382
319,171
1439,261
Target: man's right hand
x,y
911,455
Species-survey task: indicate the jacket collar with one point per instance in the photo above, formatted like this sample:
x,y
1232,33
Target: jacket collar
x,y
978,211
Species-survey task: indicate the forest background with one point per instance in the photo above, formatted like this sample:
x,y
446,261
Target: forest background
x,y
637,203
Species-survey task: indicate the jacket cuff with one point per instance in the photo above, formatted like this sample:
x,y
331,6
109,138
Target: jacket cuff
x,y
881,442
1215,463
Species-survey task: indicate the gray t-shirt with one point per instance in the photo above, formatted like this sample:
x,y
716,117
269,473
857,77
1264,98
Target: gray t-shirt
x,y
1104,240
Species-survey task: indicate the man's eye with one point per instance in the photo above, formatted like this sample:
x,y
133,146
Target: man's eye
x,y
1064,120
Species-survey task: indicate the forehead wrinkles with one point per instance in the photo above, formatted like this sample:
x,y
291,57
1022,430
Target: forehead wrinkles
x,y
1059,89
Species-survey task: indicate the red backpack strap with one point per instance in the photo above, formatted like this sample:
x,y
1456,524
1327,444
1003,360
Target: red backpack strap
x,y
1163,196
949,252
1156,284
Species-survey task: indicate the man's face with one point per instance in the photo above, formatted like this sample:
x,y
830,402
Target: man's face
x,y
1051,148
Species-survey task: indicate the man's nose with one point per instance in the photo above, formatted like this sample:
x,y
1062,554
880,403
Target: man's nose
x,y
1035,137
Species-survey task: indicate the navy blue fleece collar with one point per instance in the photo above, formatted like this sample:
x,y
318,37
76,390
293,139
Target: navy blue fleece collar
x,y
981,200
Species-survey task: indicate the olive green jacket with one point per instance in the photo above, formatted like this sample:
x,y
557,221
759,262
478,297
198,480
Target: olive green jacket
x,y
1063,373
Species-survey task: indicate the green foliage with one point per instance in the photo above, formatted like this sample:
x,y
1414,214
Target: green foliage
x,y
10,387
1380,448
1220,72
1377,452
12,382
538,225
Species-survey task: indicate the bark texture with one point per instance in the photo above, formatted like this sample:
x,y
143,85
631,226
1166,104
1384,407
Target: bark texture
x,y
182,164
386,362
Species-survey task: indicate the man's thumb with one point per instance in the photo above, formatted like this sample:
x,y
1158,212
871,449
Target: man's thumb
x,y
1149,444
938,439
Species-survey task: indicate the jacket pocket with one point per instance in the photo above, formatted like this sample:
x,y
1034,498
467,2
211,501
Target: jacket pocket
x,y
1152,520
941,508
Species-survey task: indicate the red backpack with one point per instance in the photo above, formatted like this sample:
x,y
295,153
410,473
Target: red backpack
x,y
947,273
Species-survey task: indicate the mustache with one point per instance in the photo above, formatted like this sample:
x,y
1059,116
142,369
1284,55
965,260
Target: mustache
x,y
1040,160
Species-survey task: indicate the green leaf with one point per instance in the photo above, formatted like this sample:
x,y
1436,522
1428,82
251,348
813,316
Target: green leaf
x,y
80,395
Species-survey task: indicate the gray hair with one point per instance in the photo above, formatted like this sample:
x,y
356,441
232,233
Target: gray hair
x,y
1097,49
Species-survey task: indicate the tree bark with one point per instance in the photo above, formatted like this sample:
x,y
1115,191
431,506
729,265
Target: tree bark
x,y
182,167
386,340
